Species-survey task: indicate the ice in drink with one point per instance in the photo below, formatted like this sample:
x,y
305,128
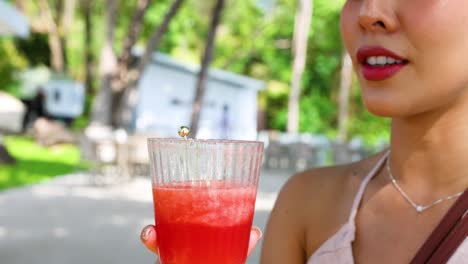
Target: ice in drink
x,y
203,222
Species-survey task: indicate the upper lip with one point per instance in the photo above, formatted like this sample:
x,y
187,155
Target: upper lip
x,y
370,51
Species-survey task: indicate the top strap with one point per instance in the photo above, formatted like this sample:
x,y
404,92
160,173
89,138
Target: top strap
x,y
362,187
447,236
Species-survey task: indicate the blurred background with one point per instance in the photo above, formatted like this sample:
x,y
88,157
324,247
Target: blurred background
x,y
84,83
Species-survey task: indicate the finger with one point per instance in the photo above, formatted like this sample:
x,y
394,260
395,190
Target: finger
x,y
148,237
255,235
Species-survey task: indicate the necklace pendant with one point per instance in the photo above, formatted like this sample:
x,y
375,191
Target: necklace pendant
x,y
418,208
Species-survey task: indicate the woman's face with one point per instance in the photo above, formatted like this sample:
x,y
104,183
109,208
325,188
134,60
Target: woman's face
x,y
411,56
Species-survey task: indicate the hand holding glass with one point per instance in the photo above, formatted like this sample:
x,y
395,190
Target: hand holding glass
x,y
204,198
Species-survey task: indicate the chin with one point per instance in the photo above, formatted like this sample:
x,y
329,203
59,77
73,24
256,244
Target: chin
x,y
388,109
383,108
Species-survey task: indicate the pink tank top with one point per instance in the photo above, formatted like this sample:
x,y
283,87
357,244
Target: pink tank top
x,y
338,248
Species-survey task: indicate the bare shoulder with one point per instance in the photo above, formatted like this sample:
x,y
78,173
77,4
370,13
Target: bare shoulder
x,y
311,206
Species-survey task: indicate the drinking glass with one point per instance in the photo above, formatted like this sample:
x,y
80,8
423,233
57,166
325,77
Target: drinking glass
x,y
204,198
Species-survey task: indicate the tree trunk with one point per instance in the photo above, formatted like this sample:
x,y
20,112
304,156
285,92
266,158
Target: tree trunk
x,y
345,87
20,5
155,40
68,15
66,21
55,45
202,76
125,100
108,64
87,48
121,81
301,31
131,38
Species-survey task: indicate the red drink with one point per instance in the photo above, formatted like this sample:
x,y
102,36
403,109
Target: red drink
x,y
203,223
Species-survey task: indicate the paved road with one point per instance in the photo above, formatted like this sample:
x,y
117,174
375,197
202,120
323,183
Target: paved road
x,y
68,220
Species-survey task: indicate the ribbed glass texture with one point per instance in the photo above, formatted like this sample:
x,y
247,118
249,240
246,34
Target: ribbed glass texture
x,y
204,198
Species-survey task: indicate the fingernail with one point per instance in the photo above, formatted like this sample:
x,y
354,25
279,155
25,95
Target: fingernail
x,y
146,233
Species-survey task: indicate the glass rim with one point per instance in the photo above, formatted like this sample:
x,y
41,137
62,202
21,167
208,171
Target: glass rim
x,y
204,141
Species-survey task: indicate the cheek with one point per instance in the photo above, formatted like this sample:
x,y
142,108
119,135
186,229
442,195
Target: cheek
x,y
349,28
439,25
439,35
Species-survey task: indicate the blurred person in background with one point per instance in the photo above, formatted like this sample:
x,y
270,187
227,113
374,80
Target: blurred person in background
x,y
34,108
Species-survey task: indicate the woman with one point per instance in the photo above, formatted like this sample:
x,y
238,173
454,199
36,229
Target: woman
x,y
411,58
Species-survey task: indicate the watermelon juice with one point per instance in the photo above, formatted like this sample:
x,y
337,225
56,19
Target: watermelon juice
x,y
205,223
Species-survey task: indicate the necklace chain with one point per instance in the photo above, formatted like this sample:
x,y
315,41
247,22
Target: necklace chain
x,y
419,208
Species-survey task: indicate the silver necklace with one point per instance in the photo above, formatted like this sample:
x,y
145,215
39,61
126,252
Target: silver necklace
x,y
418,207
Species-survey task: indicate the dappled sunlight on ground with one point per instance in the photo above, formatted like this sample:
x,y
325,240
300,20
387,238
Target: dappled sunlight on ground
x,y
71,220
59,222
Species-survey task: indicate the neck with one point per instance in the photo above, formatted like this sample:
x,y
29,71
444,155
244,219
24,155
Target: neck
x,y
429,151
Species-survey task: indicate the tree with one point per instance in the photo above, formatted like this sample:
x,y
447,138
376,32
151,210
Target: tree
x,y
205,63
252,40
108,63
300,39
133,32
120,79
56,27
55,44
343,104
54,19
125,98
87,8
68,14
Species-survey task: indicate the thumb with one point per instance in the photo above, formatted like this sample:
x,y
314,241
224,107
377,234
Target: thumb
x,y
148,237
255,235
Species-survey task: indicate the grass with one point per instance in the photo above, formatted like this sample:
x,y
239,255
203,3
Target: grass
x,y
36,163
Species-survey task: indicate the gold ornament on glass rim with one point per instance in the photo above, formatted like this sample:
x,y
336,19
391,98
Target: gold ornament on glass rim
x,y
184,131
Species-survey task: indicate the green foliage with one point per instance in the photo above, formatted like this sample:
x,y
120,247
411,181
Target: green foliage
x,y
372,129
250,41
276,97
10,63
36,163
320,79
80,123
75,51
317,114
34,49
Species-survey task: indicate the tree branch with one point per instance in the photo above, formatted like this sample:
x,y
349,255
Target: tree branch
x,y
133,31
155,39
121,100
201,82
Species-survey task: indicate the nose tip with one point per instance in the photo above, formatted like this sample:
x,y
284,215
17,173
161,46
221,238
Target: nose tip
x,y
377,16
371,22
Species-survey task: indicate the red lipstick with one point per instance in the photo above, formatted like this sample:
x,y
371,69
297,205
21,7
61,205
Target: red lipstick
x,y
375,71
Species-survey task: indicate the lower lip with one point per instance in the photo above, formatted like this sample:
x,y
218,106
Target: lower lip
x,y
380,73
